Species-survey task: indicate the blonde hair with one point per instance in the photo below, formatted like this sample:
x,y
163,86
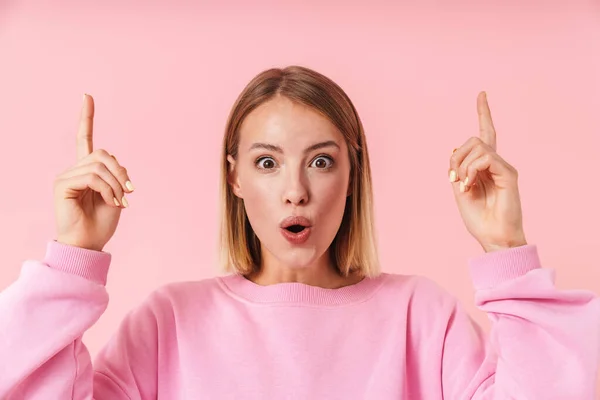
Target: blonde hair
x,y
354,247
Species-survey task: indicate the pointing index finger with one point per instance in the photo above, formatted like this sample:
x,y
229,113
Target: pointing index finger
x,y
487,132
85,141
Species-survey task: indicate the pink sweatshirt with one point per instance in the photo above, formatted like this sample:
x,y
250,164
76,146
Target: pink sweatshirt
x,y
391,337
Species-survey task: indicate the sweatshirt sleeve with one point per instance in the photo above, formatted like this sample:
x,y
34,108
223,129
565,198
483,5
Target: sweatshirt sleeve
x,y
543,343
43,316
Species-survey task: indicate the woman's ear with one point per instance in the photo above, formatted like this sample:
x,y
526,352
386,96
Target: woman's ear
x,y
232,176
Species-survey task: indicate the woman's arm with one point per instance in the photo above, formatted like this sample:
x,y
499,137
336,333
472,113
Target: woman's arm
x,y
544,343
43,316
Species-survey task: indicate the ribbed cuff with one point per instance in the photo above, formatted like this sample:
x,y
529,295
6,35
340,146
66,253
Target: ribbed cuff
x,y
491,269
89,264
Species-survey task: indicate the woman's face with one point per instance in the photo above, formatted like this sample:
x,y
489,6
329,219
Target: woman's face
x,y
292,161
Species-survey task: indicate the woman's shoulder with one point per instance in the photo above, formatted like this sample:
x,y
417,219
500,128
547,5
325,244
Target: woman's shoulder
x,y
184,295
421,302
419,288
190,290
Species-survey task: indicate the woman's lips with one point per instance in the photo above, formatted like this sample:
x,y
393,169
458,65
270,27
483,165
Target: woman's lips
x,y
295,220
296,238
293,223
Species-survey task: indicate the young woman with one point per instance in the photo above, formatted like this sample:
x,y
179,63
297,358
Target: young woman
x,y
304,312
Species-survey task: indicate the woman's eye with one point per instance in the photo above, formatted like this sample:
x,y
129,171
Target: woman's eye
x,y
265,163
322,162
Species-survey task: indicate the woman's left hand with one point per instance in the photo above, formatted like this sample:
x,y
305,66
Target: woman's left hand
x,y
486,188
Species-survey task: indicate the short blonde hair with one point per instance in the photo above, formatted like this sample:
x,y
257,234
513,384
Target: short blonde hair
x,y
354,247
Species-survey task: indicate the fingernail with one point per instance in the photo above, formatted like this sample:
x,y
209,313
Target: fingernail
x,y
466,181
116,201
125,202
452,176
85,94
462,187
129,186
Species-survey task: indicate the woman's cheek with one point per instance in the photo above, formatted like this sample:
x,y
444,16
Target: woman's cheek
x,y
259,198
331,197
333,191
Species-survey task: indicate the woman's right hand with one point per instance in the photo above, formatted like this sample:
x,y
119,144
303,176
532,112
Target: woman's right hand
x,y
89,196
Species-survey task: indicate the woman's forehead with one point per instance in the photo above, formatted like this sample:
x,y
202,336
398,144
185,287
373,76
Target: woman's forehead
x,y
287,124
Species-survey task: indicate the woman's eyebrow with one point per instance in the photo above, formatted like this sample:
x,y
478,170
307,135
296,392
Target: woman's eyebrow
x,y
316,146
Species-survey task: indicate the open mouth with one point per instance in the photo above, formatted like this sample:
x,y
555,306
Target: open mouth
x,y
295,228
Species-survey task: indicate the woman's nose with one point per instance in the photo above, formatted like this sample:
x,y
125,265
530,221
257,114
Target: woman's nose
x,y
295,188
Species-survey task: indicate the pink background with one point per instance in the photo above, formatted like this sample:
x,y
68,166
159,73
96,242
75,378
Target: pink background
x,y
164,78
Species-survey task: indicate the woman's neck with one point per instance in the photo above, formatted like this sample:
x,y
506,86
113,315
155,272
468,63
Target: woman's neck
x,y
321,274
